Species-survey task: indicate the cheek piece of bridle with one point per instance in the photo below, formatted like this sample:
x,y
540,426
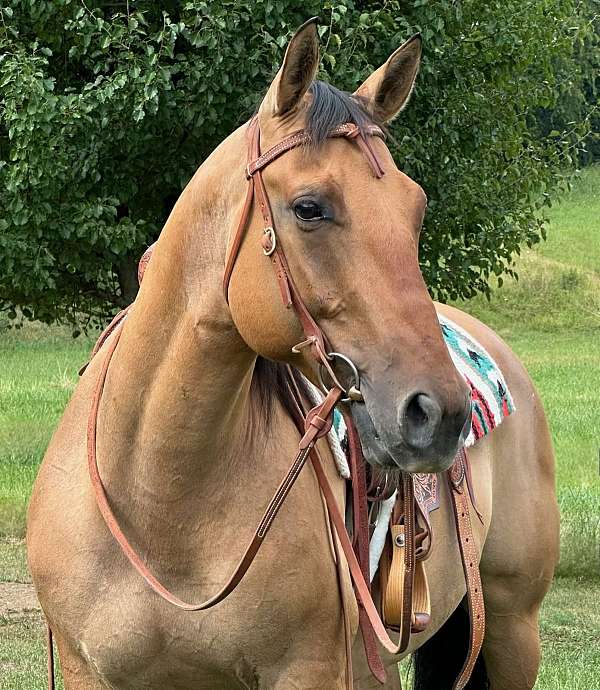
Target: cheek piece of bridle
x,y
312,426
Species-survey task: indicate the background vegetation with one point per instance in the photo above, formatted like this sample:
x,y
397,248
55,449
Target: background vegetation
x,y
578,97
107,108
551,317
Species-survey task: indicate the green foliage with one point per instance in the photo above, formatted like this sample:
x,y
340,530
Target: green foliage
x,y
578,97
107,108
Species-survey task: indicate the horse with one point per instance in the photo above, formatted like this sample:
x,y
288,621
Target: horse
x,y
193,431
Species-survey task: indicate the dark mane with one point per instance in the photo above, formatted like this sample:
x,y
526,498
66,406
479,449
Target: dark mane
x,y
269,383
329,108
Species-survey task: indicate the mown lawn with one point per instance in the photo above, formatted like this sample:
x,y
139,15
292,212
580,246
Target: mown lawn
x,y
551,317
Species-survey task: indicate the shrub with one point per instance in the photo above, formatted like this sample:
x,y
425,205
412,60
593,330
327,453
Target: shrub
x,y
107,108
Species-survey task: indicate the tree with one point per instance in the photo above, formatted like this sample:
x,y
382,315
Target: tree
x,y
107,108
578,95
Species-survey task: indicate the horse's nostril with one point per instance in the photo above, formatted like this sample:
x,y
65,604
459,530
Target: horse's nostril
x,y
416,410
419,420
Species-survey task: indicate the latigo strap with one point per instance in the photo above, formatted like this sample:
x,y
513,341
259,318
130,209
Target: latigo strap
x,y
457,481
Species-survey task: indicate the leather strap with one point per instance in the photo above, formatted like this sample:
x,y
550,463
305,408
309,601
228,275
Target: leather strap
x,y
316,426
345,611
470,564
409,558
355,453
301,138
470,561
360,540
50,657
360,586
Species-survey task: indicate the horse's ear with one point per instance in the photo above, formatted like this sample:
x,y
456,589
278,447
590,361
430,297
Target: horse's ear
x,y
297,73
388,89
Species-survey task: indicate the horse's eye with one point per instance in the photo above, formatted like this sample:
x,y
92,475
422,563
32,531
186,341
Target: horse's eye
x,y
308,210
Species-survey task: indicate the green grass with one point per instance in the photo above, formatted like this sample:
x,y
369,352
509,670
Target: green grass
x,y
559,280
37,375
551,318
23,653
566,370
13,560
570,630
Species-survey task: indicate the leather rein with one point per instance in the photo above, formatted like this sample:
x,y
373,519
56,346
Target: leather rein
x,y
319,419
312,425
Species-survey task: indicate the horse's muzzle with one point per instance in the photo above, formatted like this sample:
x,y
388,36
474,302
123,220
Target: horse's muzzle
x,y
423,436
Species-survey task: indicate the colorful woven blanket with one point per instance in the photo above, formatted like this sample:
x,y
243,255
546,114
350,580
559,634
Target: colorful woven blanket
x,y
491,400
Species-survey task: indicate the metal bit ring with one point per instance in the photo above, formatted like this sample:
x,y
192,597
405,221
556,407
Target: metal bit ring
x,y
352,393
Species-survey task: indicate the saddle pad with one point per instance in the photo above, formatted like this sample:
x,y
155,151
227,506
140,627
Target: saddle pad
x,y
491,400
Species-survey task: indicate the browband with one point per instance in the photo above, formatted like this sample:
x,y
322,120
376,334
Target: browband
x,y
302,138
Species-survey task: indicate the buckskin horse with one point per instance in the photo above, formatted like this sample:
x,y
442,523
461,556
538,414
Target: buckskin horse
x,y
190,432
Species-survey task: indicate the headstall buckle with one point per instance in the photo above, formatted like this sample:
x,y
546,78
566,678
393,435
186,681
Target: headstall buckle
x,y
272,238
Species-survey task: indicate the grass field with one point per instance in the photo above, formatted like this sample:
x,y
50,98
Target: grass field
x,y
551,317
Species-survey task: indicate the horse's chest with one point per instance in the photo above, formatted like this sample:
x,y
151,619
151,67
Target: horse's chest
x,y
142,644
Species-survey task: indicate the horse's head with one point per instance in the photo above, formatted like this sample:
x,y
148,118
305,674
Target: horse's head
x,y
351,240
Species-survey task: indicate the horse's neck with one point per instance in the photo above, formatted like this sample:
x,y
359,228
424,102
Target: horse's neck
x,y
178,410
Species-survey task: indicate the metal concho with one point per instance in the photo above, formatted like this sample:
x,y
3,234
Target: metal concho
x,y
353,391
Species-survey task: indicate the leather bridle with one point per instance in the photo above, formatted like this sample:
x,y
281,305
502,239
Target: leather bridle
x,y
312,425
256,195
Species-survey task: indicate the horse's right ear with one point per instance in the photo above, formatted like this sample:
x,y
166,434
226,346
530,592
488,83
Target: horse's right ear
x,y
297,73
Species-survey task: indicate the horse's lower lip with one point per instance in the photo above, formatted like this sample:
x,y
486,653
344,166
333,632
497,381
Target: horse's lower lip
x,y
377,454
411,462
402,459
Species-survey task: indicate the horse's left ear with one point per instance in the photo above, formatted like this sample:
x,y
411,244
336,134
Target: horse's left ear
x,y
388,89
297,73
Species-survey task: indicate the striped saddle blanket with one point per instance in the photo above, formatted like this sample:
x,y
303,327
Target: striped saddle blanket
x,y
491,400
